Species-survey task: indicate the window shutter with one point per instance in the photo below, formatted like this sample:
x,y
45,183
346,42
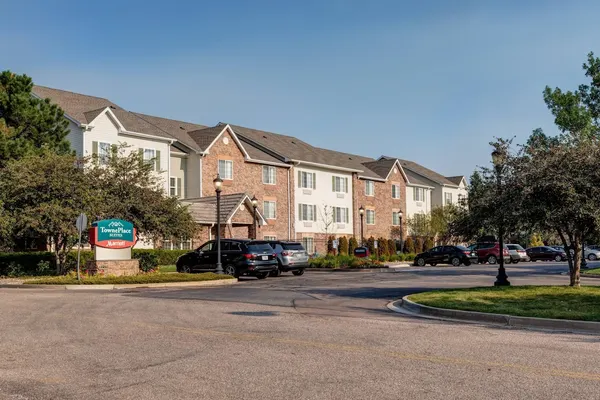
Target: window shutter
x,y
95,148
314,213
265,174
157,162
314,182
141,153
347,215
333,183
346,180
179,187
333,213
299,178
300,212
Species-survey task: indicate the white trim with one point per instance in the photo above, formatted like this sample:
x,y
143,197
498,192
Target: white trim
x,y
368,178
263,175
109,151
178,154
219,173
252,160
366,186
299,162
419,185
235,139
274,202
397,162
398,191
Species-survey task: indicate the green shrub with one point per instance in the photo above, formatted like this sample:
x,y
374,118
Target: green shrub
x,y
428,245
165,257
394,258
352,244
419,245
371,245
330,249
382,246
409,245
148,261
343,245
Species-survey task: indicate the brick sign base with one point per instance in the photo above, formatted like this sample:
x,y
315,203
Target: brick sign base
x,y
113,267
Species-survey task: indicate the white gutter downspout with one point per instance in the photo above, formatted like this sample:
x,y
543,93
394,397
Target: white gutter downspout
x,y
201,172
210,231
289,208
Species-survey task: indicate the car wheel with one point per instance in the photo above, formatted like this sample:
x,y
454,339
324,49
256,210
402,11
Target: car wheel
x,y
467,263
433,264
515,261
455,261
421,262
492,259
275,273
185,269
263,275
298,272
230,270
592,257
557,258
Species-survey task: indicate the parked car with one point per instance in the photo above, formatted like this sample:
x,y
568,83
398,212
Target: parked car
x,y
489,252
238,257
590,252
517,253
291,256
546,253
454,255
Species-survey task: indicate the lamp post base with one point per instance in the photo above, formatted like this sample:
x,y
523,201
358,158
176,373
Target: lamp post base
x,y
500,282
219,270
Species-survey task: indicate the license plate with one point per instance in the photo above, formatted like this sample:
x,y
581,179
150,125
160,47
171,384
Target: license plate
x,y
265,257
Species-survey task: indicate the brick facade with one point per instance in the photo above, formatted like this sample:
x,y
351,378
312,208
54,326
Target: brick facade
x,y
248,178
383,204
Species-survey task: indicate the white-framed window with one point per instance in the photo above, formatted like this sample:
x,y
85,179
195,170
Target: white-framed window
x,y
369,188
339,184
309,244
447,198
226,169
173,186
370,217
269,175
307,180
270,209
149,157
418,194
167,244
177,244
395,218
270,237
395,191
461,199
307,212
185,244
340,215
104,150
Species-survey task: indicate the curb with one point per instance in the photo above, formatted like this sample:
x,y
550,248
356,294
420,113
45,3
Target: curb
x,y
406,306
593,276
109,287
387,268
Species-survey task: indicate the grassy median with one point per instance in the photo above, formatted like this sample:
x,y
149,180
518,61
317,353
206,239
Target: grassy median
x,y
595,271
120,280
560,302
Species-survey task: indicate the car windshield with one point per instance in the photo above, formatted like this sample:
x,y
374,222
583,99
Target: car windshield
x,y
462,248
292,246
259,248
515,247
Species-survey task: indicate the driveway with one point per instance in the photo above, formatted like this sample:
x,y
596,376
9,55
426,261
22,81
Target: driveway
x,y
319,336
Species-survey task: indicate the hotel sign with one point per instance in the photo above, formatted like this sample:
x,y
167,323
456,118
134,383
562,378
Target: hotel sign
x,y
113,234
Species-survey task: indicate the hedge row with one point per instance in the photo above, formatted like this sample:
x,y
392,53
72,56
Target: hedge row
x,y
44,263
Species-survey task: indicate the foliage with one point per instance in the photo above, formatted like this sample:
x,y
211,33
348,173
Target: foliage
x,y
409,245
71,279
28,125
391,247
382,246
352,244
419,225
343,245
371,245
327,219
536,240
148,261
419,245
330,249
428,245
529,301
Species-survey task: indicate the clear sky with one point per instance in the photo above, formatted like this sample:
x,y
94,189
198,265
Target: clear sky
x,y
430,81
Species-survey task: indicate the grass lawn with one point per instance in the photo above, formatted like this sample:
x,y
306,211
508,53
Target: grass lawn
x,y
143,278
561,302
595,271
167,268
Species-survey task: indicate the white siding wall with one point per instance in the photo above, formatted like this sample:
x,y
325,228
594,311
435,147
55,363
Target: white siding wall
x,y
321,196
75,137
179,172
194,176
105,130
413,207
455,192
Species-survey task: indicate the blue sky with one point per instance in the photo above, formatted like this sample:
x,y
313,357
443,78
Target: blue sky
x,y
430,81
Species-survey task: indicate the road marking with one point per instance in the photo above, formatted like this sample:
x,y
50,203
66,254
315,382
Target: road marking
x,y
385,353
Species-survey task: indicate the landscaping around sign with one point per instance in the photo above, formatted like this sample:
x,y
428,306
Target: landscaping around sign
x,y
557,302
121,280
347,261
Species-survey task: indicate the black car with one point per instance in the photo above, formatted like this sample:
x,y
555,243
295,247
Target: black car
x,y
291,256
238,257
546,253
454,255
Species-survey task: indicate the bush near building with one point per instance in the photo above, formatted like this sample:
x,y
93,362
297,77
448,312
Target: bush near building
x,y
391,244
419,245
371,245
352,244
428,245
409,245
343,245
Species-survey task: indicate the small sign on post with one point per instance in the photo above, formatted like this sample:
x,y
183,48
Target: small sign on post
x,y
335,244
81,224
375,244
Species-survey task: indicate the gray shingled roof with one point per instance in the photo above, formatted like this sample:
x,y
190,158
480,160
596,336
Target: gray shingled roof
x,y
178,129
256,153
416,179
75,105
204,210
456,179
425,172
381,167
204,137
133,123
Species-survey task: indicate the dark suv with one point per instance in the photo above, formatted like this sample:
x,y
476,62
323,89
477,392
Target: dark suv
x,y
454,255
238,257
291,256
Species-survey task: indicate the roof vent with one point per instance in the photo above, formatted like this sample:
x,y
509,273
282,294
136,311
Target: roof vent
x,y
113,107
264,136
293,142
349,158
182,128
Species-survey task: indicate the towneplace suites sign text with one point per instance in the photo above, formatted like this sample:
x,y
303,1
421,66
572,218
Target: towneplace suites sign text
x,y
113,234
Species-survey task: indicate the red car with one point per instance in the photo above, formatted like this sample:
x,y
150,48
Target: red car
x,y
489,252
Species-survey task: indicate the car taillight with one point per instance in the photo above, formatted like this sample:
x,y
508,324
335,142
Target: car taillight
x,y
467,252
274,255
250,256
286,253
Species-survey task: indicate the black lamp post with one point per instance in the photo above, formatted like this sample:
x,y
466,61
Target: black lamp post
x,y
498,158
401,233
218,182
254,205
361,211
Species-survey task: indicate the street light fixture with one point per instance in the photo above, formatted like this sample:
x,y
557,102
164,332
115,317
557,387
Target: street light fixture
x,y
498,158
361,211
218,182
254,201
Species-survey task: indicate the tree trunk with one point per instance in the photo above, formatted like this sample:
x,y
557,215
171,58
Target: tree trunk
x,y
566,246
575,274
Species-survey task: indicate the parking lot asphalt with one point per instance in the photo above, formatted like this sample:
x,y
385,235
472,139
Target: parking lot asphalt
x,y
319,336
